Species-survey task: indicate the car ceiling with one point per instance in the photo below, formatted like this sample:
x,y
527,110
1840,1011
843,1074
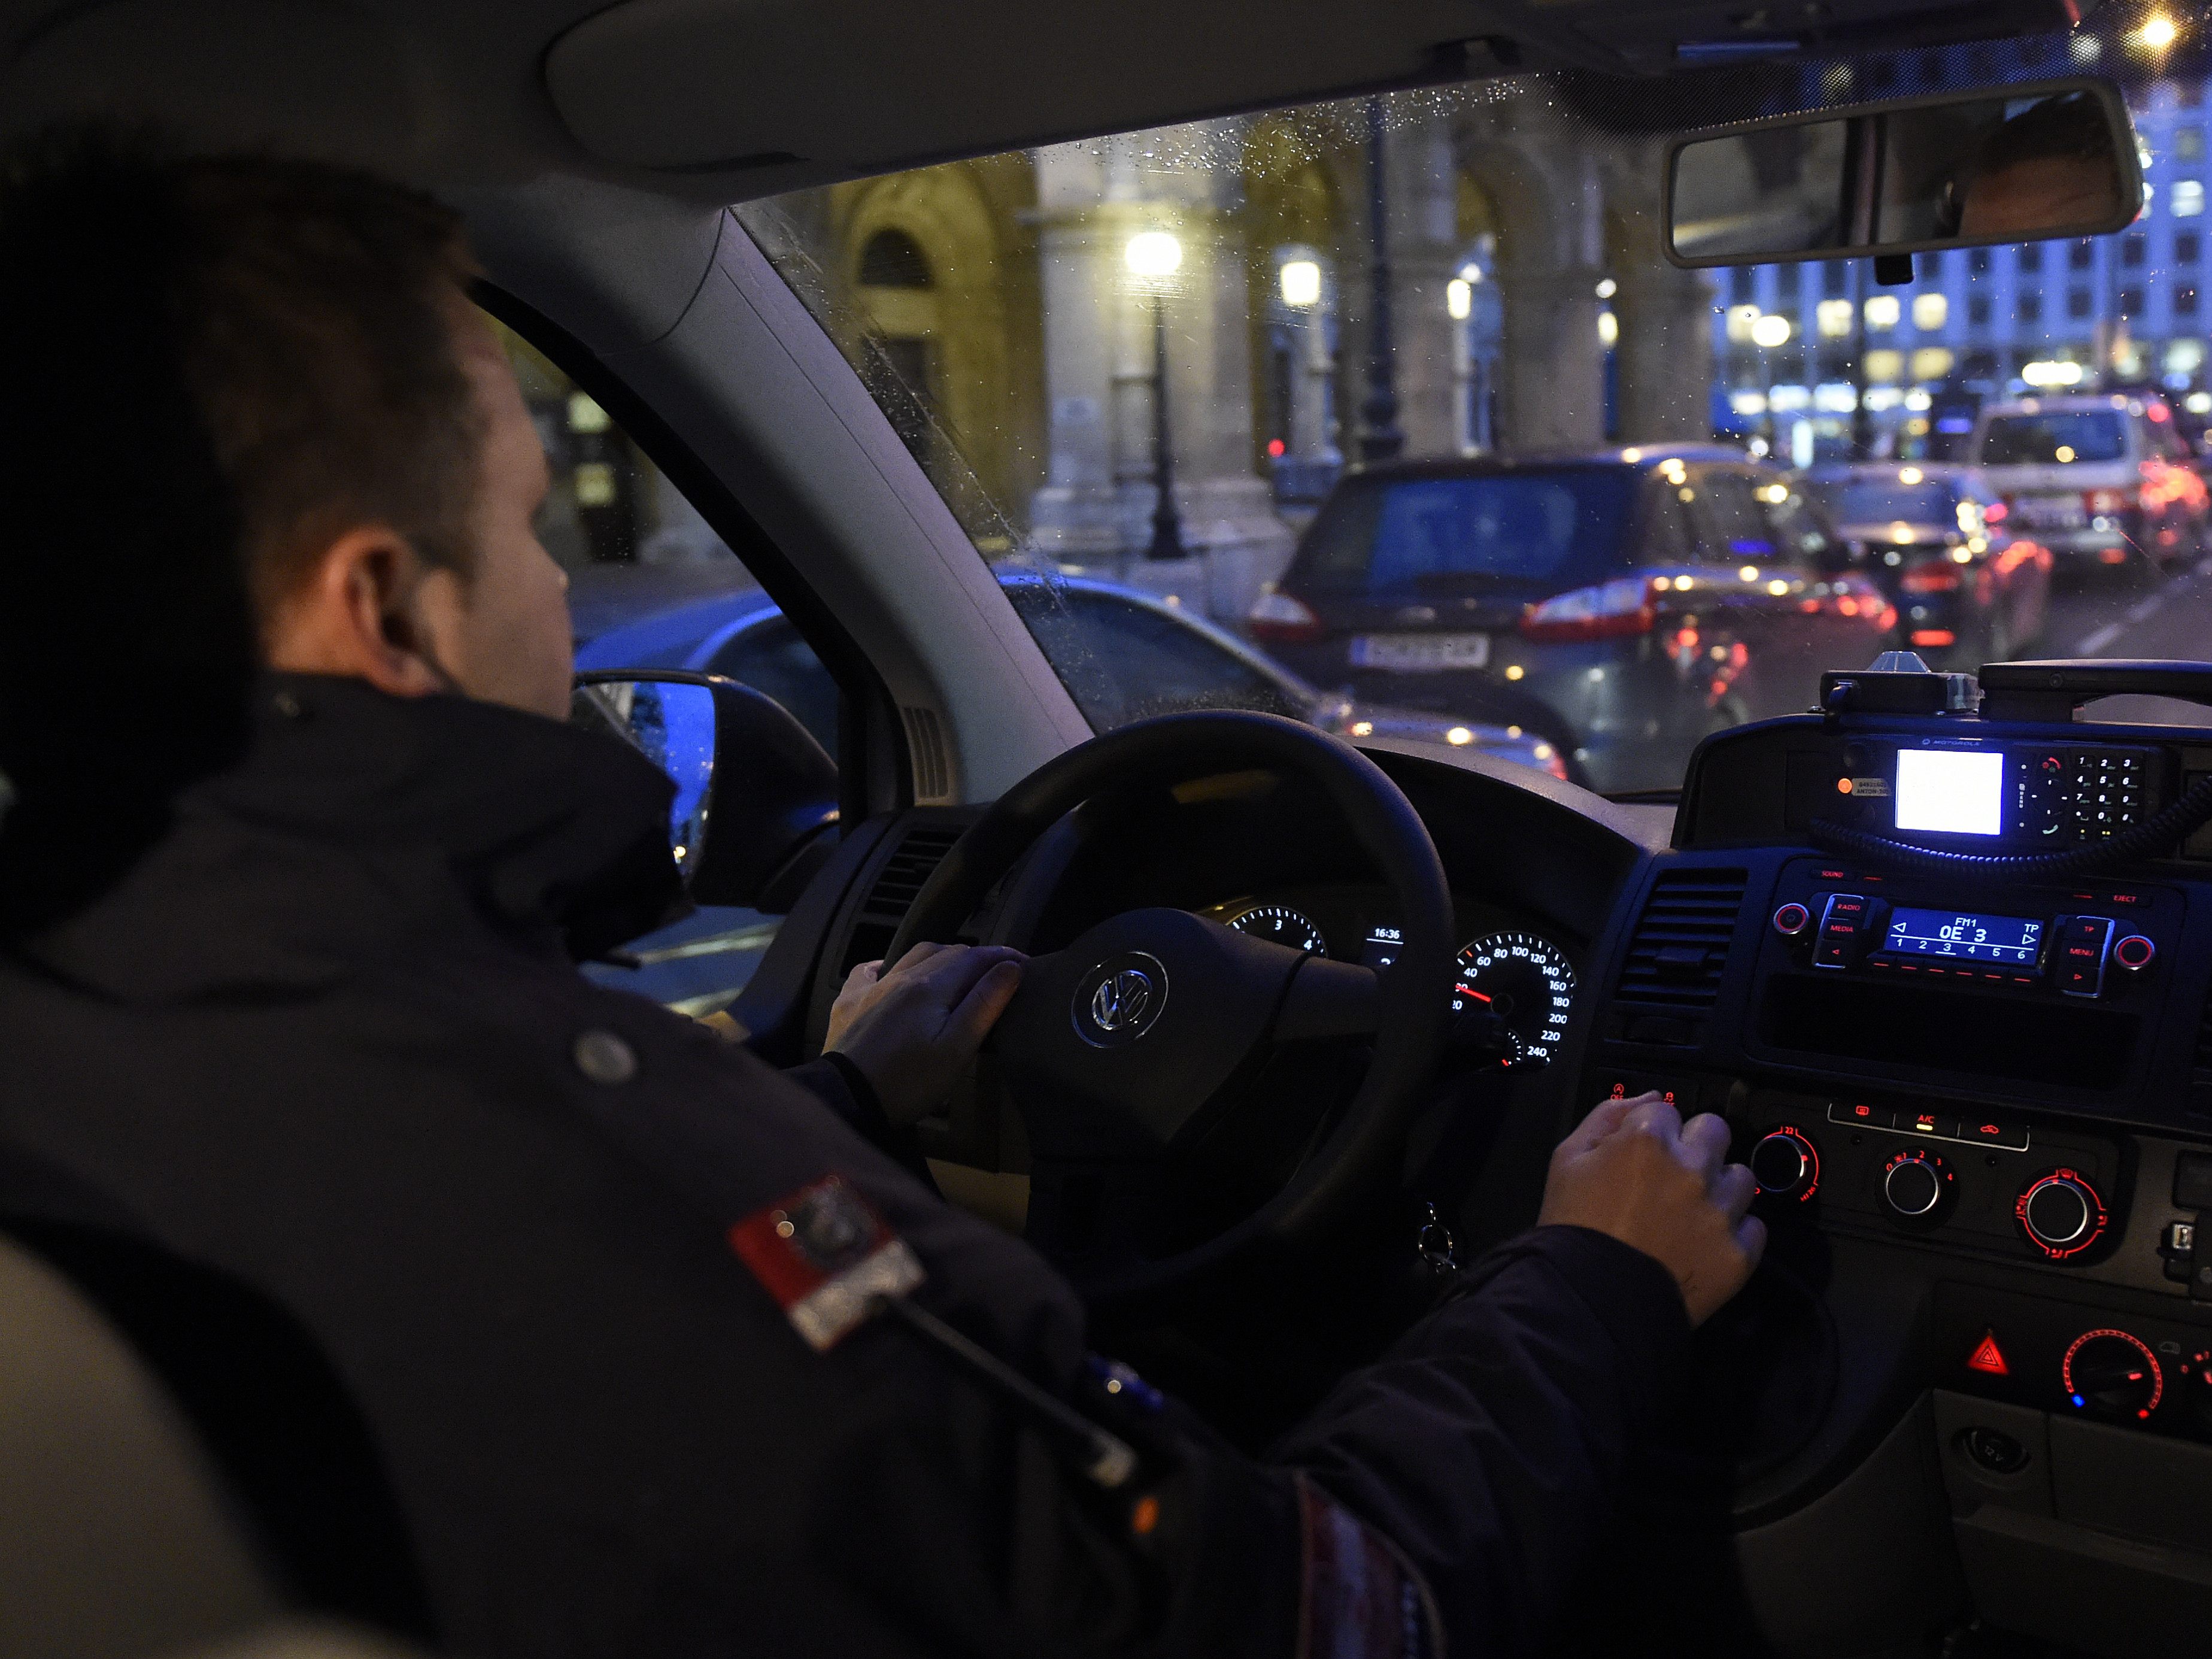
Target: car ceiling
x,y
712,100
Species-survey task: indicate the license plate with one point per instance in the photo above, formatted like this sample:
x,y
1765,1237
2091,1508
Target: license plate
x,y
1420,652
2052,511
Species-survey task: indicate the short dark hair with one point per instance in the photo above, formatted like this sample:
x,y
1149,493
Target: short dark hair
x,y
215,364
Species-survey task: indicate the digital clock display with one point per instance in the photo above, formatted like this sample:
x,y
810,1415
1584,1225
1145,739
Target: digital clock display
x,y
2011,939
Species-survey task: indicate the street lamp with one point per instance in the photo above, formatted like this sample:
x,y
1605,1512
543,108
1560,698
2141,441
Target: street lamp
x,y
1154,256
1301,280
1381,439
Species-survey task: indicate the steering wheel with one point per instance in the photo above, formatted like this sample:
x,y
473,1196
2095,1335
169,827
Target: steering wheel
x,y
1118,1048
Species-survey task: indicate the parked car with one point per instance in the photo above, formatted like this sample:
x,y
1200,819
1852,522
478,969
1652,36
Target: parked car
x,y
1967,589
1625,602
2101,480
1123,655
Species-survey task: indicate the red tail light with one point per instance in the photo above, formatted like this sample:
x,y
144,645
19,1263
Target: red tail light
x,y
1931,578
1612,611
1281,620
2109,501
1995,513
1933,636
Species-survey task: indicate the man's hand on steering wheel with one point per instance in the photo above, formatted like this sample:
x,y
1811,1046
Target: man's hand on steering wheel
x,y
913,1029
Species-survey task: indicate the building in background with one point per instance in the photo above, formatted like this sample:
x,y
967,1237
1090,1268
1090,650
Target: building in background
x,y
1976,323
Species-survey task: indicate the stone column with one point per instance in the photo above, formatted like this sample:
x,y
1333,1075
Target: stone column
x,y
1666,357
1425,251
1552,365
1095,510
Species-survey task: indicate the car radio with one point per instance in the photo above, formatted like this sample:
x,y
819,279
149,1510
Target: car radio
x,y
2047,986
2041,947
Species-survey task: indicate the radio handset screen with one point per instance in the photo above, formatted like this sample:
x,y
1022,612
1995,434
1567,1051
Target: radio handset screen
x,y
1950,791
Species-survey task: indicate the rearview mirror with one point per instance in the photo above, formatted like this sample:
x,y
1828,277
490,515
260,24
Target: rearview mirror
x,y
755,796
1953,170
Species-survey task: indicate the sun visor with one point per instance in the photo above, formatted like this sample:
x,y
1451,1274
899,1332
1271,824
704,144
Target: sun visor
x,y
704,86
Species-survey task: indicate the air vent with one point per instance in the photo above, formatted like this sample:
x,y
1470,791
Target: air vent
x,y
1681,943
900,881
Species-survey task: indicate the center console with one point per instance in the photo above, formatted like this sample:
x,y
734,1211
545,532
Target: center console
x,y
1946,972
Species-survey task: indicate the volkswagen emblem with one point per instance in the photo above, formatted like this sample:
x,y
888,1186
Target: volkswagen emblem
x,y
1124,1000
1118,1000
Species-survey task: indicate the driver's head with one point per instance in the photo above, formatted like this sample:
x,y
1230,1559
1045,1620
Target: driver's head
x,y
252,420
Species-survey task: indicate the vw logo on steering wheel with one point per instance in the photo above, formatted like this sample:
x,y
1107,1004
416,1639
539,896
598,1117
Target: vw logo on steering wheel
x,y
1118,1000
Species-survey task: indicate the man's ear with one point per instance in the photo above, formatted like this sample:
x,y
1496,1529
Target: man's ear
x,y
367,611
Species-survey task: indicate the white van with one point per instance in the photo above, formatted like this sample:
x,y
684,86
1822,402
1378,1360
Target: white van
x,y
2100,479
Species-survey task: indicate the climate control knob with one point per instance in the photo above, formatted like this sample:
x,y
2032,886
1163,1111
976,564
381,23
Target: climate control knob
x,y
1786,1163
1917,1186
2060,1213
2113,1373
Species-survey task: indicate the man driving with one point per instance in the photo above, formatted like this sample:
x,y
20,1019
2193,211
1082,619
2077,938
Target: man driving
x,y
300,858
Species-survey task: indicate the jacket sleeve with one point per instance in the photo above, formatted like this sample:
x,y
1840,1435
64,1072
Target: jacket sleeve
x,y
842,1086
1488,1445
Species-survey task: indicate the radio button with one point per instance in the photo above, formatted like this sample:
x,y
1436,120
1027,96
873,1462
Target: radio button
x,y
2135,953
1792,919
1843,931
2079,963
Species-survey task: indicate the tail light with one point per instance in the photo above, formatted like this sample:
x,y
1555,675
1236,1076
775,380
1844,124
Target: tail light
x,y
1933,636
2108,501
1931,578
1612,611
1997,512
1281,620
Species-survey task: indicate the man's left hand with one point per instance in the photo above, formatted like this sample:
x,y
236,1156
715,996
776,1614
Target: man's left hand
x,y
913,1029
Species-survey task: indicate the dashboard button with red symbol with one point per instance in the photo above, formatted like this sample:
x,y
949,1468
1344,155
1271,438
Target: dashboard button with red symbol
x,y
1988,1131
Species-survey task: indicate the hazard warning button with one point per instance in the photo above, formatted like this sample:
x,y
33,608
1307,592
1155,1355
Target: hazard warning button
x,y
1987,1357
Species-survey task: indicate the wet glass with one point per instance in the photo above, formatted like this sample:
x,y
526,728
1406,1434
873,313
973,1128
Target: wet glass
x,y
1437,511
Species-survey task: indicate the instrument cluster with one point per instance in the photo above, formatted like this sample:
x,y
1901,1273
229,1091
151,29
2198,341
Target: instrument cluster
x,y
1523,981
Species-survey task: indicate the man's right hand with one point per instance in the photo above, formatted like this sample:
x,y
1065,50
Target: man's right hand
x,y
1635,1172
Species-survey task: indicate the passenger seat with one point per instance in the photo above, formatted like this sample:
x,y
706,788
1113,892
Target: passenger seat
x,y
117,1538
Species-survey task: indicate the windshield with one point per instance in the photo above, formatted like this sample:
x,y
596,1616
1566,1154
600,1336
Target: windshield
x,y
1883,503
1548,530
2051,439
1485,459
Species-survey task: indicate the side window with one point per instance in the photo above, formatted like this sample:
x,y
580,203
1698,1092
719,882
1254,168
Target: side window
x,y
1668,535
1800,529
1735,528
651,586
768,655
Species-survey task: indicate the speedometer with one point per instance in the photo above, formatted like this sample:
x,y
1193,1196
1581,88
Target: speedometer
x,y
1280,925
1523,980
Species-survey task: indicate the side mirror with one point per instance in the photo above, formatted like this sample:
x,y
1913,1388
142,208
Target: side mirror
x,y
755,796
1912,174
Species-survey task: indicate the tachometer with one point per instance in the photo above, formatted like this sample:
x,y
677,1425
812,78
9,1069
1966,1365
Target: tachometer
x,y
1524,981
1280,925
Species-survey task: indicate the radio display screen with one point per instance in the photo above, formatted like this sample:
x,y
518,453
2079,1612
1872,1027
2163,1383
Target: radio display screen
x,y
1956,792
2013,940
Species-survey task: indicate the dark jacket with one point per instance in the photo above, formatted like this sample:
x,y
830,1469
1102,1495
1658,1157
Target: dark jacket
x,y
327,1044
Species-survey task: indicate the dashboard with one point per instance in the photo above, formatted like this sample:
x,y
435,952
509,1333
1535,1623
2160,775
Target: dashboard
x,y
1507,969
1976,1370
